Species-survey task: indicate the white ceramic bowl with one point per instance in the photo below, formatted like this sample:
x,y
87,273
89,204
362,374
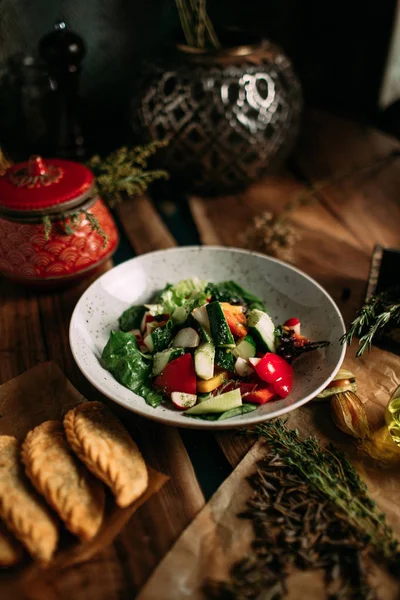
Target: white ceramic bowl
x,y
286,291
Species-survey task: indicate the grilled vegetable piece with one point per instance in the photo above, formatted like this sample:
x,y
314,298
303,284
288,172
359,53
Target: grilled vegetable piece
x,y
178,376
204,361
158,339
218,404
245,348
262,329
220,331
225,359
161,359
203,387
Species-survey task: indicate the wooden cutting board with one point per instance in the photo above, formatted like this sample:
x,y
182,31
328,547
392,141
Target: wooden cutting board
x,y
40,394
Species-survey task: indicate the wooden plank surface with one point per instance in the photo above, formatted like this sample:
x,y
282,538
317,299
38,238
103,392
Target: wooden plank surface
x,y
368,204
338,234
34,328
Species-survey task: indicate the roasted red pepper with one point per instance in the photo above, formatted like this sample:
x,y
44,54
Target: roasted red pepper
x,y
245,388
261,395
235,318
178,376
275,370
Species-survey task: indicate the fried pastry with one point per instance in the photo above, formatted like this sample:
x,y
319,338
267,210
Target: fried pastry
x,y
67,485
11,550
106,448
22,510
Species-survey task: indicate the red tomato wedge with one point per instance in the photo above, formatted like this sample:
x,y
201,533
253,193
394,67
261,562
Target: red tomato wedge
x,y
178,376
235,318
275,370
260,395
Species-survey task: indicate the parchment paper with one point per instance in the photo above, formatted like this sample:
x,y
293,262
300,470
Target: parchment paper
x,y
39,394
217,538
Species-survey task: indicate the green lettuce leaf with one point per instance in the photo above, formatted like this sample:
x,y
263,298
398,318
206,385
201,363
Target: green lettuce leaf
x,y
230,291
173,296
122,357
131,318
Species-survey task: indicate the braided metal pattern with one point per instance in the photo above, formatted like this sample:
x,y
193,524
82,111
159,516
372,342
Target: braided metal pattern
x,y
227,124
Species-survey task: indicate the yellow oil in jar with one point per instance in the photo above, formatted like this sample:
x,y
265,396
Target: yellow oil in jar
x,y
392,416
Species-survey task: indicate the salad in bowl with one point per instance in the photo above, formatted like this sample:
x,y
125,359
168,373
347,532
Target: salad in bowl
x,y
208,349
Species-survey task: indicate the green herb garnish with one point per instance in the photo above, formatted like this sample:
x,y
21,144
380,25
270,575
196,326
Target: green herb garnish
x,y
309,511
230,291
373,319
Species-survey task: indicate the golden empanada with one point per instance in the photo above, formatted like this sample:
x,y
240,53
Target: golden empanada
x,y
11,550
21,508
106,448
67,485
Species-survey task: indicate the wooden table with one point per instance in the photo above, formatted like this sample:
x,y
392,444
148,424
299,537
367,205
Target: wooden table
x,y
338,235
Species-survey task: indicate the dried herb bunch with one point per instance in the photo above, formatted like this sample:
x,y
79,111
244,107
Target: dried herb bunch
x,y
276,234
272,235
310,510
196,24
125,172
377,315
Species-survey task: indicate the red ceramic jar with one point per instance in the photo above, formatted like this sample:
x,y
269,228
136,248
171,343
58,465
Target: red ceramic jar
x,y
56,189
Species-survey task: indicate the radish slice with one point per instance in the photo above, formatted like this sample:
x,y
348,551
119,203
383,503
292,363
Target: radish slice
x,y
186,338
201,316
293,324
242,367
254,361
183,401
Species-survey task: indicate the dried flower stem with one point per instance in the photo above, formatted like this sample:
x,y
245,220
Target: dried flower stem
x,y
196,24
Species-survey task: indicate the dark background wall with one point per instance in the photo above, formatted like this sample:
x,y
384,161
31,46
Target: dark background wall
x,y
339,49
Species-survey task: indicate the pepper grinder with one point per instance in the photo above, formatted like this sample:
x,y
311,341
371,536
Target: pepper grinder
x,y
63,50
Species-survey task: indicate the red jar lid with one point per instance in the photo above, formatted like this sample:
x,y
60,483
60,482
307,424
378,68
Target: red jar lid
x,y
44,186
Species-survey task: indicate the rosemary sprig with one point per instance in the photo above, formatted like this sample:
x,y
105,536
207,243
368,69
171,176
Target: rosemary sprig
x,y
123,172
47,227
330,473
309,511
370,321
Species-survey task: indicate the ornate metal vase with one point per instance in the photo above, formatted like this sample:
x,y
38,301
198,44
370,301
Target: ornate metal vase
x,y
230,116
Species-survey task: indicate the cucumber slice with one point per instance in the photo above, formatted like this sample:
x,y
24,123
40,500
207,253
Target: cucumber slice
x,y
220,332
182,313
218,404
161,359
262,329
158,340
235,412
245,348
204,361
224,359
186,338
205,335
202,397
201,316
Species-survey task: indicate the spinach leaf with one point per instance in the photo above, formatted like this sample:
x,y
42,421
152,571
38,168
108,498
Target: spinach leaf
x,y
122,357
131,318
232,292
